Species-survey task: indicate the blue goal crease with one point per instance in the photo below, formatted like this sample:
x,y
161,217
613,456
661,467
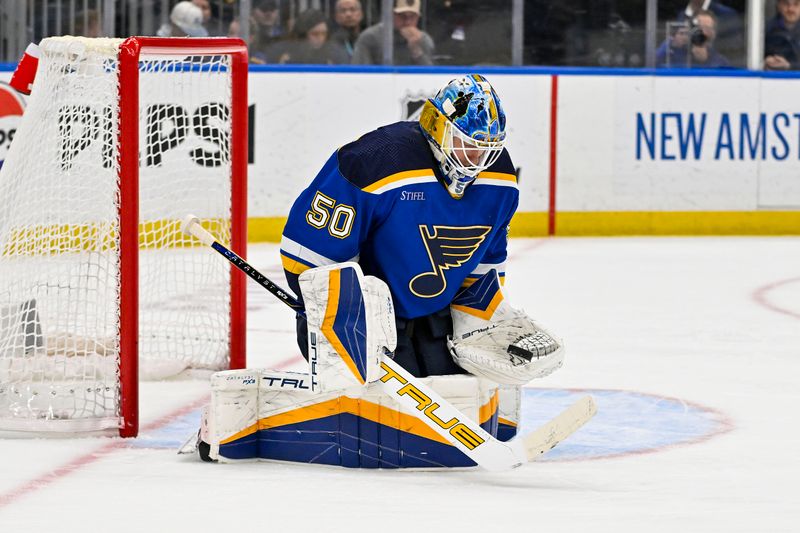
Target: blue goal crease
x,y
627,422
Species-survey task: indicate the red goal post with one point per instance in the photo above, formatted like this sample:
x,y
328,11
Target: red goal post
x,y
130,52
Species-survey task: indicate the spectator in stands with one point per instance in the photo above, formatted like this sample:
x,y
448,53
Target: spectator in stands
x,y
87,24
449,24
209,21
782,37
255,52
412,46
470,33
348,16
309,43
205,7
730,40
692,47
185,20
268,22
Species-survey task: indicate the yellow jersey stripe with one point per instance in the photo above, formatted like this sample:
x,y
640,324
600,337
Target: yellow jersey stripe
x,y
469,280
293,266
504,176
408,174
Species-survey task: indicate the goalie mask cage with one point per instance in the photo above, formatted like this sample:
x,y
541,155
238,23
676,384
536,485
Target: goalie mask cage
x,y
120,140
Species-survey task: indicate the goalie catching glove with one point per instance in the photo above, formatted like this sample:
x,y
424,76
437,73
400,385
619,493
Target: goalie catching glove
x,y
494,340
350,325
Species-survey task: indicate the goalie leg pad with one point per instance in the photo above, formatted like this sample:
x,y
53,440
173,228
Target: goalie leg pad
x,y
494,340
230,423
231,416
372,430
362,430
351,325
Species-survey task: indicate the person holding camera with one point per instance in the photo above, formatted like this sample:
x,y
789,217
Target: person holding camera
x,y
782,37
730,31
692,46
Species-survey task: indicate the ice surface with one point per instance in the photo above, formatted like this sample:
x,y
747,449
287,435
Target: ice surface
x,y
691,347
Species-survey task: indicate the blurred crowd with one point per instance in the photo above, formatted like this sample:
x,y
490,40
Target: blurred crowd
x,y
605,33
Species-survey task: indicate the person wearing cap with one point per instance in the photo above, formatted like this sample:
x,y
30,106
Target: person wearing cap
x,y
412,46
185,20
267,15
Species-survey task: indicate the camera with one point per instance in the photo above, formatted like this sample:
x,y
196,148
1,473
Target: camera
x,y
696,35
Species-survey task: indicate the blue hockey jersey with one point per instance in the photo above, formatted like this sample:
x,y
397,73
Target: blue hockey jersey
x,y
380,201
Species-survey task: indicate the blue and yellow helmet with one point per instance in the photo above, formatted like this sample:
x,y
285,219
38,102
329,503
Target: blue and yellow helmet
x,y
466,128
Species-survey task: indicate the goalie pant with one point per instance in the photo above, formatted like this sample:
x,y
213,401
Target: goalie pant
x,y
263,414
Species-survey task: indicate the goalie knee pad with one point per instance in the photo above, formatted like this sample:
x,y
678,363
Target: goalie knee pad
x,y
350,325
492,339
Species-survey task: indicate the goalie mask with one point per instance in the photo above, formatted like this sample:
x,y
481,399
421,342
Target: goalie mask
x,y
466,127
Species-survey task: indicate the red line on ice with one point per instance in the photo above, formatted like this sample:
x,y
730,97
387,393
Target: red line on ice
x,y
760,296
78,463
528,246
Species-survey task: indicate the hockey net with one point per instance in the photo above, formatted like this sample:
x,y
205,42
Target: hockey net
x,y
120,140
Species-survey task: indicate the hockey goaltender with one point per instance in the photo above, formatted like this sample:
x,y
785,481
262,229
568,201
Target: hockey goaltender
x,y
397,250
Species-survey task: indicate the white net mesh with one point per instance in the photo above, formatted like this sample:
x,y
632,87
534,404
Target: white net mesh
x,y
59,227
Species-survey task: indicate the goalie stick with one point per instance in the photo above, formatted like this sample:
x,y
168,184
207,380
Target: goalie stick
x,y
427,405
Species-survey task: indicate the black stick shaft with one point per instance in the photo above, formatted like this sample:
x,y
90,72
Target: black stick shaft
x,y
258,277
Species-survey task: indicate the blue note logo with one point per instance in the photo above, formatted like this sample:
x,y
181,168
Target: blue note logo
x,y
448,247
